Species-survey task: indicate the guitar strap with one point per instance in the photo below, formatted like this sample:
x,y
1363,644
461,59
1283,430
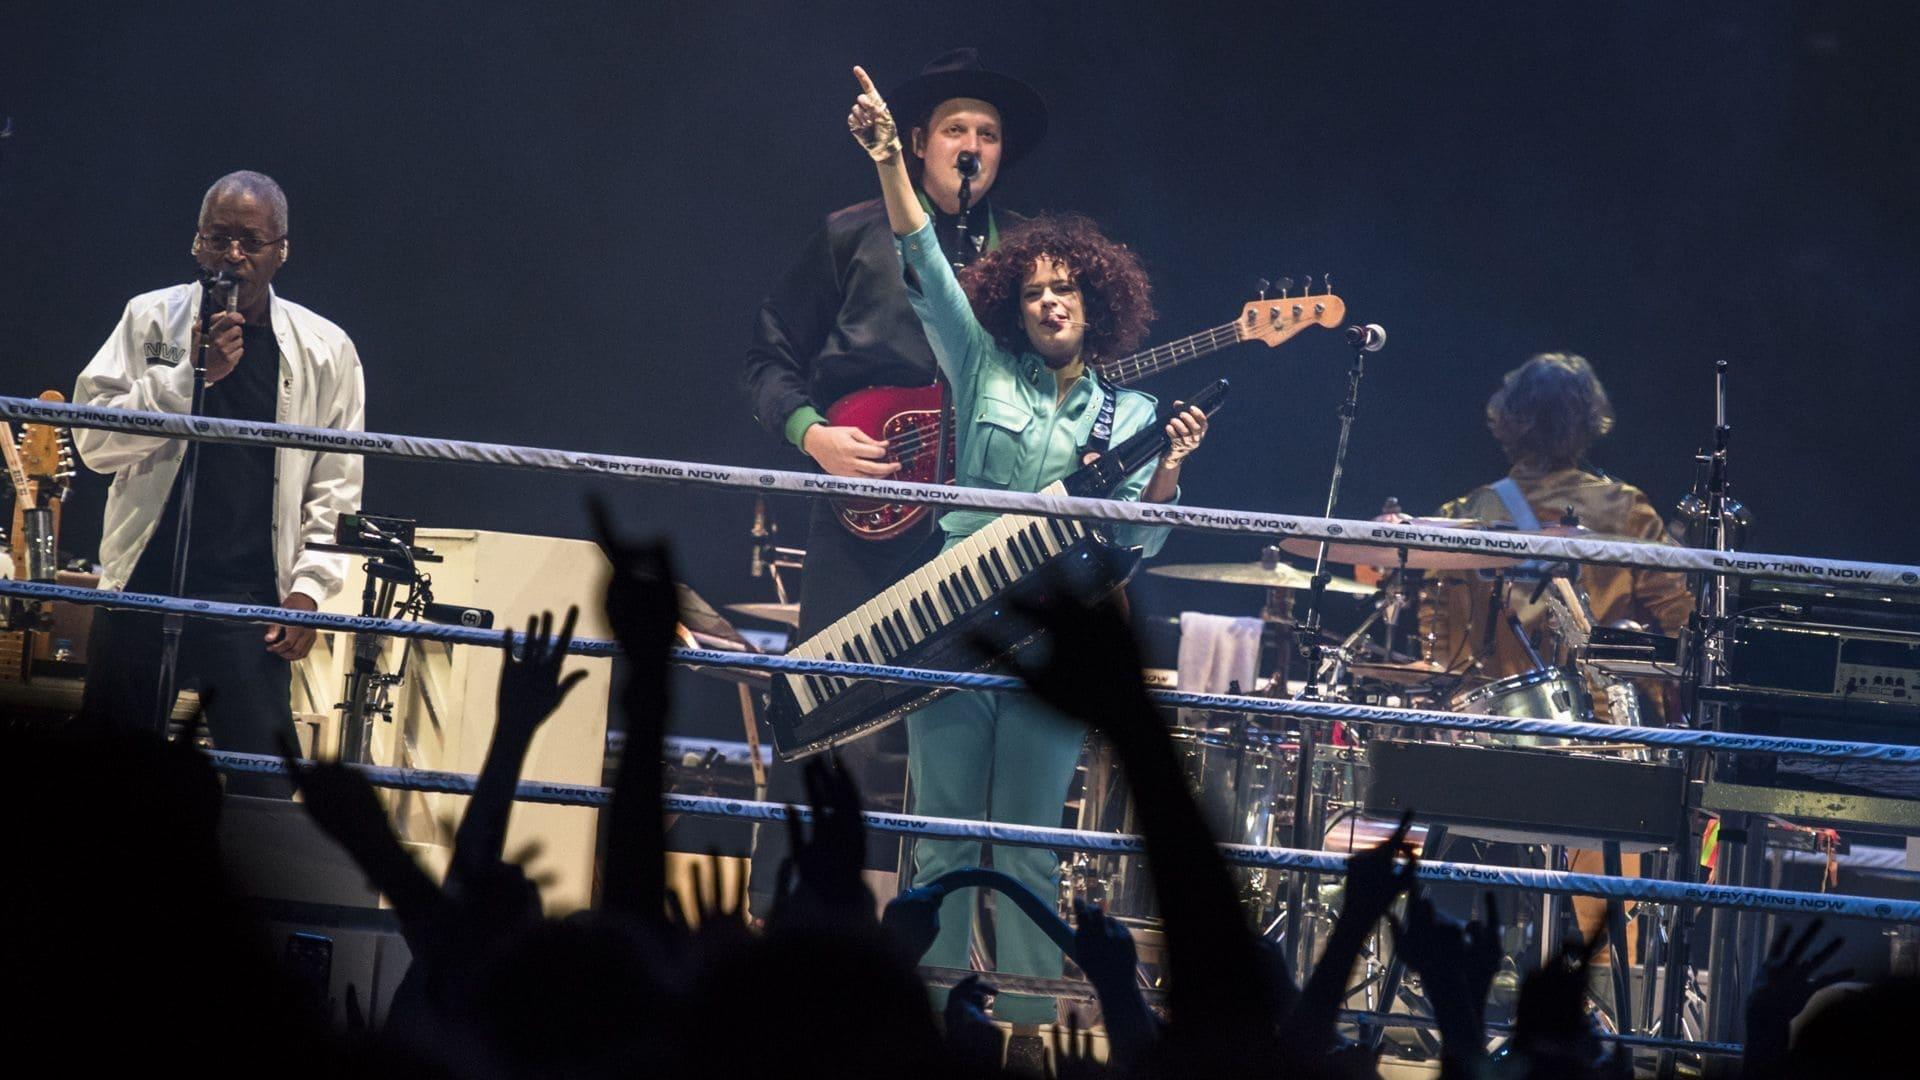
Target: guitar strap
x,y
1521,512
1101,436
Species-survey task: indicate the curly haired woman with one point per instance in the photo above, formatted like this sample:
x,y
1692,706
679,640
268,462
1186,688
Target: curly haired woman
x,y
1020,346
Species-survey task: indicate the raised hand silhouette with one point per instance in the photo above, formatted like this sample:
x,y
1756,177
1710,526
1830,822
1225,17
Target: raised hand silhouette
x,y
1788,979
824,879
643,609
1105,951
971,1034
1073,1053
530,684
1089,668
1439,950
530,690
912,920
344,805
1375,877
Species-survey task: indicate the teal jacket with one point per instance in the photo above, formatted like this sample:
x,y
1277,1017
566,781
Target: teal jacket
x,y
1010,437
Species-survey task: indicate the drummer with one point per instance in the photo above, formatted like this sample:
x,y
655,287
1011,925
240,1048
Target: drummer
x,y
1545,415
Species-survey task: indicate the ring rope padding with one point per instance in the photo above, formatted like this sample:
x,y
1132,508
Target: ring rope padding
x,y
1671,738
1519,546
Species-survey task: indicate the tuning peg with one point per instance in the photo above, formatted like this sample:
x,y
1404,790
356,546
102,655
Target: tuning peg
x,y
1260,287
1307,290
1286,285
1326,284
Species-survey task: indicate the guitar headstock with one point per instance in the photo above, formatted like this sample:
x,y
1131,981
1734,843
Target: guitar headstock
x,y
1274,319
46,455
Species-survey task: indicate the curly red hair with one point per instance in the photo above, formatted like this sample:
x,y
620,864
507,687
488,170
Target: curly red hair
x,y
1113,285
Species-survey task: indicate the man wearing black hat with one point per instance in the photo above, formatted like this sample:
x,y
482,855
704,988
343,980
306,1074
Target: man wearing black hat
x,y
838,321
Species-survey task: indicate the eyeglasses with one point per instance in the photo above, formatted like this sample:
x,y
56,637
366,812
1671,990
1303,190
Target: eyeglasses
x,y
220,242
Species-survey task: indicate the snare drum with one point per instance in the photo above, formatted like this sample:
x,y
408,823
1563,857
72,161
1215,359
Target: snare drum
x,y
1546,694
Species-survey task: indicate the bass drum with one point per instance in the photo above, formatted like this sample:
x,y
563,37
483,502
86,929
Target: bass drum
x,y
1243,782
1546,694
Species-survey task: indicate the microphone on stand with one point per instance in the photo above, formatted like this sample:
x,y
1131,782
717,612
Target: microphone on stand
x,y
968,165
1369,338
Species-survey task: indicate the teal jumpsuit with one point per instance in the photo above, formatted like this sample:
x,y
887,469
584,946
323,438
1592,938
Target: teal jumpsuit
x,y
991,756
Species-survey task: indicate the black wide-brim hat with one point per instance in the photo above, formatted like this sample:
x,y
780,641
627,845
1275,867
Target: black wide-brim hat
x,y
958,74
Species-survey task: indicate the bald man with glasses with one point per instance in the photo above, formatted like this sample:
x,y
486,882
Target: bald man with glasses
x,y
254,509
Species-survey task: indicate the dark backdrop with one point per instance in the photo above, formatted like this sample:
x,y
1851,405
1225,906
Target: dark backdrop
x,y
551,224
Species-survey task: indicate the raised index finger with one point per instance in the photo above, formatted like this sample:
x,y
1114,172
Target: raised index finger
x,y
866,84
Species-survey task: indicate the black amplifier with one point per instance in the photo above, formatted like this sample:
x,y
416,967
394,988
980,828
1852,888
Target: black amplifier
x,y
1844,662
1530,795
1814,662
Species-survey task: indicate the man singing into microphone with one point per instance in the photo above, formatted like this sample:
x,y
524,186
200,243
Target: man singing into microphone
x,y
839,321
254,508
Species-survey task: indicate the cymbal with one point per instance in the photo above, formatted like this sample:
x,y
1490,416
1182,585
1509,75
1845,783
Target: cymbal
x,y
1388,558
1280,576
1401,673
1581,532
780,613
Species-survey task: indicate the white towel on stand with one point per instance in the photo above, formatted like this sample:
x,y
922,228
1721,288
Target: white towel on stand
x,y
1217,651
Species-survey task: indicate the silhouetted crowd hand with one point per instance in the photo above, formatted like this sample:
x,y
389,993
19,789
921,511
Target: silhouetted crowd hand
x,y
1105,951
124,921
1789,977
1438,949
912,920
820,881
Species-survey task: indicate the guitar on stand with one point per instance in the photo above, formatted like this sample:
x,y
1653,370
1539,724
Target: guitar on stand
x,y
916,421
40,470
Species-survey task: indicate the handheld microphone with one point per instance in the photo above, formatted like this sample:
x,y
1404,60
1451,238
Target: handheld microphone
x,y
968,163
1369,338
215,281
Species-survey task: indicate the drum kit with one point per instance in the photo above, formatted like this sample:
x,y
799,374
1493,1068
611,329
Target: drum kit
x,y
1244,768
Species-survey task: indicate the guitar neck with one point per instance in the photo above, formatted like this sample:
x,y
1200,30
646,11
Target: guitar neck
x,y
16,469
1131,369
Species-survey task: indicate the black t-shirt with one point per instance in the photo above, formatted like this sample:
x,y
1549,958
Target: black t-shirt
x,y
231,549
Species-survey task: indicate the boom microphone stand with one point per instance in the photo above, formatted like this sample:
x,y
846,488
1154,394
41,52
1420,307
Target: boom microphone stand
x,y
172,624
1307,812
1712,515
1736,935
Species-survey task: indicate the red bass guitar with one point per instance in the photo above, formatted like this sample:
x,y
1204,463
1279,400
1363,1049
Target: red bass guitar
x,y
914,420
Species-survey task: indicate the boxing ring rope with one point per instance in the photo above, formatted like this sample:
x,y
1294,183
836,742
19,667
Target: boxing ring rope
x,y
1772,901
1518,546
1672,738
1265,525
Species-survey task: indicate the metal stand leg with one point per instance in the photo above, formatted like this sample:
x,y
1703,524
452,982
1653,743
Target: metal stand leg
x,y
1617,943
1396,968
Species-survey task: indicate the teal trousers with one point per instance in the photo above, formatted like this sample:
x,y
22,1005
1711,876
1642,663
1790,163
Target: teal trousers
x,y
1004,758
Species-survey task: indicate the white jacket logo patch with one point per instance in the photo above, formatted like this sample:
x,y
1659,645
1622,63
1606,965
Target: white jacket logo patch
x,y
160,352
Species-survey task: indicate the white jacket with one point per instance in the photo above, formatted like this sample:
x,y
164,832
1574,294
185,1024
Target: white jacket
x,y
145,365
